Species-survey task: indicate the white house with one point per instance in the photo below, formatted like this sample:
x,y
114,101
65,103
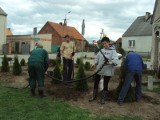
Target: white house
x,y
138,36
3,17
155,56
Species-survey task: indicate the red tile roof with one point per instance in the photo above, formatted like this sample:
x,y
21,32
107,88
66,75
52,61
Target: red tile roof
x,y
62,30
8,31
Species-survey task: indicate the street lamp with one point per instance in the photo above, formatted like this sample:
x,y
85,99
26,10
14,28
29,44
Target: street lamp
x,y
65,20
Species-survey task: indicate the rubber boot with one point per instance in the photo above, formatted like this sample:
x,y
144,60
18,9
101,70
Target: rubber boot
x,y
94,96
103,97
33,92
41,94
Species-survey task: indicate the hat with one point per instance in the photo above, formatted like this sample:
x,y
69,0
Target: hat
x,y
105,39
39,45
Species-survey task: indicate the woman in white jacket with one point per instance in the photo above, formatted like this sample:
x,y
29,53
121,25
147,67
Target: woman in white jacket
x,y
108,69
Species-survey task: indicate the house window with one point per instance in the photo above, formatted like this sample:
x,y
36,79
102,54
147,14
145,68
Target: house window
x,y
131,43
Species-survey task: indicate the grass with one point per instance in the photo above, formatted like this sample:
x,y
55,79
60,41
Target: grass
x,y
17,104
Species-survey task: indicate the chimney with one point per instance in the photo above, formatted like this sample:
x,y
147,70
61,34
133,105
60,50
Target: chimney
x,y
34,30
147,16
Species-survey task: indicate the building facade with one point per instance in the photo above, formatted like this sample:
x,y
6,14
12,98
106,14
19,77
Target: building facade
x,y
58,31
138,36
155,56
3,20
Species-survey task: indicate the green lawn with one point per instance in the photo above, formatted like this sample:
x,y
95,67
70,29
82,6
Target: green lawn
x,y
17,104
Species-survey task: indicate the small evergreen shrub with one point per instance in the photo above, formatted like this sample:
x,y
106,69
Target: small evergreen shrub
x,y
17,70
87,66
58,60
120,50
56,74
78,61
81,85
5,64
23,62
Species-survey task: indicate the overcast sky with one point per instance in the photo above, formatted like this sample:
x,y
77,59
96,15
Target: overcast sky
x,y
114,16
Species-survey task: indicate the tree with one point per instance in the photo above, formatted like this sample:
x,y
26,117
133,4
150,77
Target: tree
x,y
87,66
17,70
57,71
23,62
81,85
5,65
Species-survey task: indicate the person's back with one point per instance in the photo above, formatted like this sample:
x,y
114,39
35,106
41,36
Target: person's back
x,y
38,55
134,62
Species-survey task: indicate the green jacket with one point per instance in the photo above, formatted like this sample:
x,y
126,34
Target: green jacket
x,y
39,55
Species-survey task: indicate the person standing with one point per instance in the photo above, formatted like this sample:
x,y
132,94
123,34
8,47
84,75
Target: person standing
x,y
133,66
37,66
67,49
107,71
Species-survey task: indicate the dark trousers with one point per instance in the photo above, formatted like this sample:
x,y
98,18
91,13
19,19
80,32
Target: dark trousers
x,y
128,79
67,69
105,82
36,73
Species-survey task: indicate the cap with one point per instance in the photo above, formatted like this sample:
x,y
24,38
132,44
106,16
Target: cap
x,y
39,45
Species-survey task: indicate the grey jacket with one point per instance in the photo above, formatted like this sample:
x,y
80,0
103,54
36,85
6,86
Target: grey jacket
x,y
108,69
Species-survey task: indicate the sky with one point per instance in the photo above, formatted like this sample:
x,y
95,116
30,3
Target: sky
x,y
113,16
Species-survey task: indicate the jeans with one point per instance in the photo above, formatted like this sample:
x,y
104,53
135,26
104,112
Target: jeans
x,y
67,69
137,75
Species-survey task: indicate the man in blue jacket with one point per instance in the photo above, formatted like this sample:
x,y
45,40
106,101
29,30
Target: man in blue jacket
x,y
37,66
134,67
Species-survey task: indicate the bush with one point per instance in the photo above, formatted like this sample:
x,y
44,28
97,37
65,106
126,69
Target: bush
x,y
17,70
23,62
58,60
78,61
81,85
5,65
120,50
56,74
87,66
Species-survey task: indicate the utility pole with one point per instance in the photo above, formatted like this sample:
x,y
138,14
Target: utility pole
x,y
65,19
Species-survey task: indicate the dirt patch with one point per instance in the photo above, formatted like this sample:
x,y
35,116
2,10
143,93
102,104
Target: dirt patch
x,y
148,108
10,80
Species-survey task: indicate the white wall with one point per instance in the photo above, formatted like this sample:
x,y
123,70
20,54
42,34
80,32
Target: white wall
x,y
2,31
45,40
142,43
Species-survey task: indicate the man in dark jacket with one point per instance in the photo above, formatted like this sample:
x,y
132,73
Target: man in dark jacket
x,y
134,66
37,66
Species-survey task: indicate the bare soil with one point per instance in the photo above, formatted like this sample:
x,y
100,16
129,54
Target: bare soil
x,y
148,108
